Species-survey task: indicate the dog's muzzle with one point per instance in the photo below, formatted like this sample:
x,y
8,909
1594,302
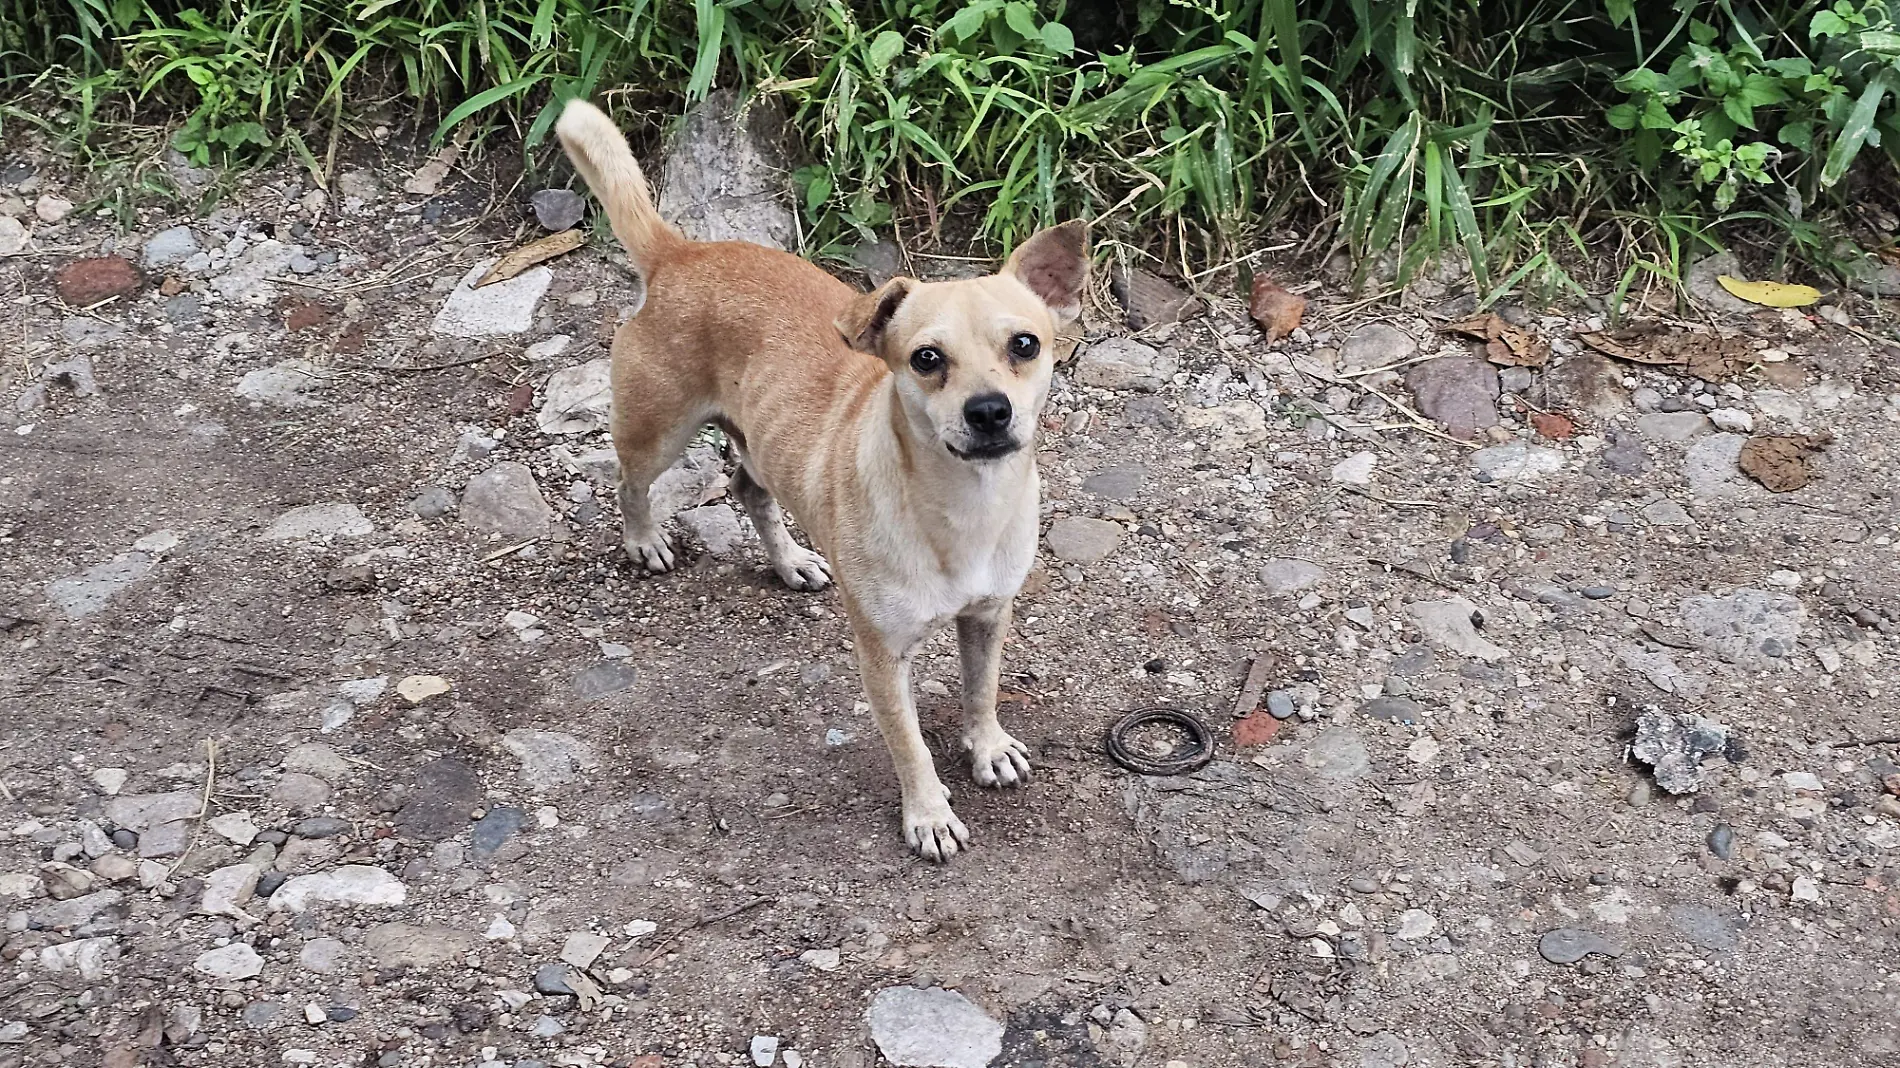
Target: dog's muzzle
x,y
986,422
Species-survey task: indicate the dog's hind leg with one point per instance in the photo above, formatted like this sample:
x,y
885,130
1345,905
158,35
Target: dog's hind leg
x,y
651,427
801,568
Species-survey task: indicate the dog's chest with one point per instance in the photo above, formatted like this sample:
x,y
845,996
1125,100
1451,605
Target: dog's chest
x,y
978,569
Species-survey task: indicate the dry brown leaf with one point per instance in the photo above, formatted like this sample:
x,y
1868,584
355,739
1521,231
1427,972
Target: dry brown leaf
x,y
1622,350
1782,462
1277,311
1151,300
428,177
1505,345
1712,357
532,253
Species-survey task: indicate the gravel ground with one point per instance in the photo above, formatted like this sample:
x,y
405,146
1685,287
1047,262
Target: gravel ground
x,y
335,728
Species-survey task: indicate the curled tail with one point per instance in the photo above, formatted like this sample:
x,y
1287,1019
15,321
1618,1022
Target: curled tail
x,y
600,153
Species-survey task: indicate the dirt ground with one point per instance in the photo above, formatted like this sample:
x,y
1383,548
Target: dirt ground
x,y
206,690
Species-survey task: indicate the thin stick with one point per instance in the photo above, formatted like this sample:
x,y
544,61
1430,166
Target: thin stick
x,y
1396,501
204,806
659,948
499,553
1415,571
424,369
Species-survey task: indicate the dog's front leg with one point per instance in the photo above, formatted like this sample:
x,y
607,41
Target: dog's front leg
x,y
996,759
930,827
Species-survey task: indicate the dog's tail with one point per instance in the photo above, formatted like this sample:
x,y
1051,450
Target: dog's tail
x,y
600,153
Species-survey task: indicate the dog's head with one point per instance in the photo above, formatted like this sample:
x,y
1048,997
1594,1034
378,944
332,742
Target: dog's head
x,y
973,358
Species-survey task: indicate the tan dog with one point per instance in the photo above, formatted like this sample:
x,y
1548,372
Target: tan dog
x,y
897,425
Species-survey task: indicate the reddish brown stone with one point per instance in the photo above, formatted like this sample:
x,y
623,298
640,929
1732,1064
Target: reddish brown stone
x,y
83,283
171,286
1257,729
1554,425
520,398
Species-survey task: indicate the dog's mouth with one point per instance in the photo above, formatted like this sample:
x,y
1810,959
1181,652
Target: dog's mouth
x,y
985,450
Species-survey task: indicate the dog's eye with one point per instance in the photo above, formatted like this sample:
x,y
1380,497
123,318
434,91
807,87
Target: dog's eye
x,y
927,360
1024,347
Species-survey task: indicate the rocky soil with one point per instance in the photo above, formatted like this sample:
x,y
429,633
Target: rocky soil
x,y
335,728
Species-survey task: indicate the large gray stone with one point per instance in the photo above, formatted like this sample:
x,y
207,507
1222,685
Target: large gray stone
x,y
933,1028
1376,345
1749,627
351,884
1448,625
505,500
139,812
717,527
1122,363
1122,482
248,280
402,945
578,399
446,790
1703,284
1673,427
1079,541
550,758
81,595
1712,469
285,385
229,963
498,309
319,521
1283,577
726,173
167,247
1458,391
1517,461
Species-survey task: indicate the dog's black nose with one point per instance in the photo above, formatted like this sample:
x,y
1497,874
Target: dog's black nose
x,y
988,413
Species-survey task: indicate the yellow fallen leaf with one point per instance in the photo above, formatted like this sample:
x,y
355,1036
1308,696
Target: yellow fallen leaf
x,y
530,254
1771,294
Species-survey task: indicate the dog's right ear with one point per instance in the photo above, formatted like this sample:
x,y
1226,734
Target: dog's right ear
x,y
862,321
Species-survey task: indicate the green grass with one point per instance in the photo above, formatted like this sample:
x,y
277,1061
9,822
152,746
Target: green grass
x,y
1516,138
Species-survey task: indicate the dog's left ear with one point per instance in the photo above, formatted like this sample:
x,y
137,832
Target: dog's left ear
x,y
862,321
1054,264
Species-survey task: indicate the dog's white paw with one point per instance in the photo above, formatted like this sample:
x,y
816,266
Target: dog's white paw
x,y
932,829
802,569
996,759
654,553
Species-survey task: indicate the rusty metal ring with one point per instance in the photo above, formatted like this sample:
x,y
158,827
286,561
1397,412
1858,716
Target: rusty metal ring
x,y
1194,756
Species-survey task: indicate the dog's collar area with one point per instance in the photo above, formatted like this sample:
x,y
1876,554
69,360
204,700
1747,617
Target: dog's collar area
x,y
994,450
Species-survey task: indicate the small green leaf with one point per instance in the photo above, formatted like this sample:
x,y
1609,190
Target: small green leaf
x,y
1739,110
1622,116
1620,12
1798,135
1059,39
967,23
1761,90
1656,116
1022,18
1640,80
1827,24
885,48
